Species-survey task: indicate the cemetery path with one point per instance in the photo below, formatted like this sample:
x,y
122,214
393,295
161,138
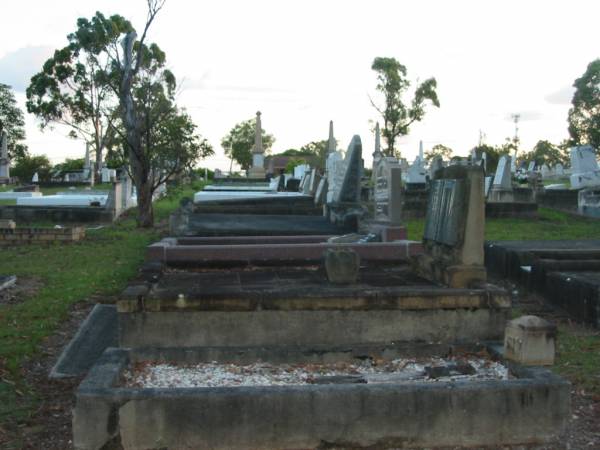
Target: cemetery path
x,y
50,425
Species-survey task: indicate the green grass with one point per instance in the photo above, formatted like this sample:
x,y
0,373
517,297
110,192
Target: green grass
x,y
550,225
578,358
101,264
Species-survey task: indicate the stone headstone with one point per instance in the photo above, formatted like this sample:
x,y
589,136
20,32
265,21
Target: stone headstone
x,y
313,182
304,182
584,167
321,194
583,159
531,166
546,172
559,170
488,185
35,178
502,178
335,175
416,173
258,158
349,191
281,183
454,228
388,191
342,265
300,170
436,164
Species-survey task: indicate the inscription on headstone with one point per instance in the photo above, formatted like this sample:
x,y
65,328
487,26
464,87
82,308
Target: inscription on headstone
x,y
388,191
445,211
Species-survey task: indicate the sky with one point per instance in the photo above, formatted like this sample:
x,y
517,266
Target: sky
x,y
304,63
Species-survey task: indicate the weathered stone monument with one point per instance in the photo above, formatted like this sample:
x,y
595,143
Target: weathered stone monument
x,y
343,196
388,191
331,143
501,189
258,153
584,166
4,159
454,228
436,164
377,155
417,175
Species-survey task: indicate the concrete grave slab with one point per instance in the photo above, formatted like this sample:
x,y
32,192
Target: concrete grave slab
x,y
343,414
98,332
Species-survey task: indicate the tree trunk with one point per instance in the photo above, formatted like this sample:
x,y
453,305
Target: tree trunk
x,y
145,209
140,170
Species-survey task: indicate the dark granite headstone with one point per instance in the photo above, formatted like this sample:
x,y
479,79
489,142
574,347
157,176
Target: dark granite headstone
x,y
445,211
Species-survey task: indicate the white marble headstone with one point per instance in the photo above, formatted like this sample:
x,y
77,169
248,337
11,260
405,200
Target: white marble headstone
x,y
502,177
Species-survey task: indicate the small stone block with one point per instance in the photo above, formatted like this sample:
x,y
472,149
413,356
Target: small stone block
x,y
530,340
6,223
342,265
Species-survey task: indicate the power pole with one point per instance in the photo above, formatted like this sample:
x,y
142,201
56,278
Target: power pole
x,y
515,118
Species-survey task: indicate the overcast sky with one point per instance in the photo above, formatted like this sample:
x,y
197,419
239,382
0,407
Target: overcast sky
x,y
303,63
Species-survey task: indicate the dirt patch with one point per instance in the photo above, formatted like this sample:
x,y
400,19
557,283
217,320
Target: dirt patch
x,y
50,425
24,288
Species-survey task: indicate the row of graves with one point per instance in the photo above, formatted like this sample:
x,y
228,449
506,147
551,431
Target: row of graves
x,y
257,325
78,203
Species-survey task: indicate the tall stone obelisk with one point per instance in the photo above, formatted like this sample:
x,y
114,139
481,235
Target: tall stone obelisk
x,y
331,144
377,155
4,160
258,153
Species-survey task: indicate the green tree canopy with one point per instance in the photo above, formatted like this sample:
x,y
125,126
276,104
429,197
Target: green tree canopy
x,y
545,152
493,155
239,142
318,149
27,166
120,85
68,165
584,115
12,122
438,150
397,116
71,88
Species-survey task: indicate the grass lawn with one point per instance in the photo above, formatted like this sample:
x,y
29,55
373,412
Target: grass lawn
x,y
551,225
108,257
101,264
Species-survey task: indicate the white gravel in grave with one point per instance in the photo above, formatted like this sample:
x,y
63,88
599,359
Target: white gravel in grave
x,y
162,375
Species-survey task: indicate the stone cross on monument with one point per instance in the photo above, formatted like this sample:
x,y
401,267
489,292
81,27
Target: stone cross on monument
x,y
331,144
258,153
4,160
377,155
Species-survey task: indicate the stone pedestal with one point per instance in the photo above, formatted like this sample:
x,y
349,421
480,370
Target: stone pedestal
x,y
530,340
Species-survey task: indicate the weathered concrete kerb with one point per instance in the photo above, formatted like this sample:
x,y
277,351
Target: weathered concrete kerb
x,y
532,408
